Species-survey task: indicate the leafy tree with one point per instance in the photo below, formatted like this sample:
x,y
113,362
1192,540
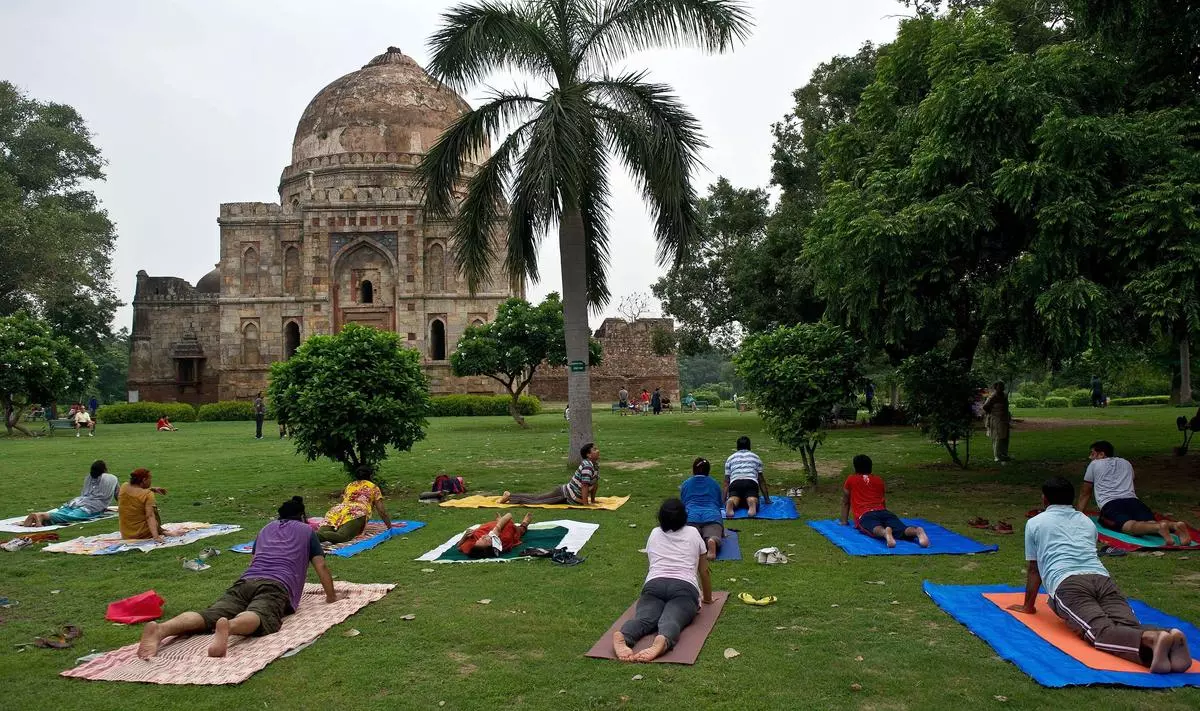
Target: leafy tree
x,y
556,157
112,364
37,366
797,375
351,395
941,393
662,341
511,348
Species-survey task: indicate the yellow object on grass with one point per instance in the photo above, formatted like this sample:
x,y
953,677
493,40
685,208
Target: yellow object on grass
x,y
606,503
762,602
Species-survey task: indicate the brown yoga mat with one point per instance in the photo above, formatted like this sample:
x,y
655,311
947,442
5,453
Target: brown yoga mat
x,y
686,650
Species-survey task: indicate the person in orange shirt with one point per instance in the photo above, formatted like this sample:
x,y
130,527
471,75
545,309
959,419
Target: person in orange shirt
x,y
491,539
863,495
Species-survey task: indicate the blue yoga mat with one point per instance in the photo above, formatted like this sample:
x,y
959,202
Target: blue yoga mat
x,y
1047,664
359,547
941,541
780,508
730,550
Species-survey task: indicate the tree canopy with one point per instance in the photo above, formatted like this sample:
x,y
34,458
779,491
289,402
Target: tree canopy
x,y
37,366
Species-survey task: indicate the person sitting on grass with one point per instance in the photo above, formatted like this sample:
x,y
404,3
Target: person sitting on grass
x,y
164,425
1060,547
348,519
744,480
580,490
137,509
1111,479
678,581
494,538
99,489
84,421
701,496
863,494
268,591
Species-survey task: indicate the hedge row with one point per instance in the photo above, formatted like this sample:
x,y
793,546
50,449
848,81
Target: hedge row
x,y
230,411
712,397
126,412
476,405
1077,399
1142,400
1054,401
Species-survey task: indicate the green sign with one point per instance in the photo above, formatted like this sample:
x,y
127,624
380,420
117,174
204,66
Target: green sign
x,y
578,366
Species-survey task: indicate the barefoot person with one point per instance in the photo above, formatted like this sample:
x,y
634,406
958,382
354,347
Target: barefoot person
x,y
1060,547
494,538
671,595
744,480
580,490
1110,478
268,591
701,496
137,509
99,490
348,519
863,494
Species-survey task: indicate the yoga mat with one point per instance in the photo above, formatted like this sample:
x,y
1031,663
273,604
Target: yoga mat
x,y
577,534
548,538
606,503
1044,662
372,535
685,651
185,660
109,543
781,508
1124,541
730,549
13,525
942,541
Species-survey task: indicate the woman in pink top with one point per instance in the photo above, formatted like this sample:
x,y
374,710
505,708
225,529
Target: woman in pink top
x,y
671,595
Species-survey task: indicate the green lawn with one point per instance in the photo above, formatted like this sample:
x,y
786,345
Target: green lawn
x,y
524,650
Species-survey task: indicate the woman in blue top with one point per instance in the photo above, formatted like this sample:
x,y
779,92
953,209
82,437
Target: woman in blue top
x,y
701,495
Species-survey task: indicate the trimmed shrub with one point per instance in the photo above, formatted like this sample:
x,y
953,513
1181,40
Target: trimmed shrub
x,y
1143,400
1080,398
126,412
1024,401
713,398
229,411
1056,401
1033,389
888,416
481,405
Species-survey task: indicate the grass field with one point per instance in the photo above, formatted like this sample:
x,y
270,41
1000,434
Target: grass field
x,y
832,641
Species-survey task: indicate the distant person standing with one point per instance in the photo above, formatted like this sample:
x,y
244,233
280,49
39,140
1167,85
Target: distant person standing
x,y
260,411
93,405
645,397
998,414
1097,392
623,401
656,402
869,392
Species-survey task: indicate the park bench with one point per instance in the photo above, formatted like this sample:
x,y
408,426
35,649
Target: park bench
x,y
703,405
52,425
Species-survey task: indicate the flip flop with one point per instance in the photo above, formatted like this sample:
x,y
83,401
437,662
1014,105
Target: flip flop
x,y
1113,552
1002,527
761,602
978,522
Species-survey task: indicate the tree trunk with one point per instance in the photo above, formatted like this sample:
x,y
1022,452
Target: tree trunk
x,y
513,410
952,449
573,258
1185,369
895,398
809,454
12,419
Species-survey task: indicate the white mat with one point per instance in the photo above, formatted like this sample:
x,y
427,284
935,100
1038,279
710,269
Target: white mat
x,y
578,533
174,534
13,525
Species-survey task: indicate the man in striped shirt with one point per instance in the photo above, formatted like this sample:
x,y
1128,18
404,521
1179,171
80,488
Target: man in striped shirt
x,y
580,490
744,480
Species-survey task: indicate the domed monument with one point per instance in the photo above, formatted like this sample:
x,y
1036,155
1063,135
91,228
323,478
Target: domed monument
x,y
347,243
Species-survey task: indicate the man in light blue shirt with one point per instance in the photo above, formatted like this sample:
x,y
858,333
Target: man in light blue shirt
x,y
1060,546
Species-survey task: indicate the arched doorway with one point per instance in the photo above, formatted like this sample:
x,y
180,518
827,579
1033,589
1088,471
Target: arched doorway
x,y
437,340
291,339
366,292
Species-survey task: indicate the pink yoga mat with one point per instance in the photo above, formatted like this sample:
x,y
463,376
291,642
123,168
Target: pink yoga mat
x,y
686,651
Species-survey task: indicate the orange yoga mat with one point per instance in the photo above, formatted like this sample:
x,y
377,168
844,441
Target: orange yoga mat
x,y
1049,627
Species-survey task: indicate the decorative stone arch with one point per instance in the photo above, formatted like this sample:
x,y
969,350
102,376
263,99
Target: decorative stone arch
x,y
251,353
362,268
291,337
437,339
354,245
250,270
435,268
477,322
291,270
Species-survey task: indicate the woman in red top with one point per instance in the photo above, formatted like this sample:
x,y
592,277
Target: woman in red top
x,y
491,539
863,496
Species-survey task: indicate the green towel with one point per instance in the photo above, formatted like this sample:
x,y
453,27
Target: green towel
x,y
548,538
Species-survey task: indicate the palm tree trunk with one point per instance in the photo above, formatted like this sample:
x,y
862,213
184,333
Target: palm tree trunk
x,y
573,258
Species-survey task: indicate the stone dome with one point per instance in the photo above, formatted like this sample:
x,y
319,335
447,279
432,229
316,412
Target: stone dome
x,y
389,106
210,283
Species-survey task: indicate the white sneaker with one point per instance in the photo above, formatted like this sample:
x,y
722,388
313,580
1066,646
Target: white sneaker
x,y
77,434
91,434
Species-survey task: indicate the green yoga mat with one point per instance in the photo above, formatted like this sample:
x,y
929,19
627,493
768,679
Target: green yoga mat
x,y
1143,541
548,538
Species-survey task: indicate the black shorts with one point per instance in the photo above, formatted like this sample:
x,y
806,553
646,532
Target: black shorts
x,y
884,518
265,598
1119,512
743,488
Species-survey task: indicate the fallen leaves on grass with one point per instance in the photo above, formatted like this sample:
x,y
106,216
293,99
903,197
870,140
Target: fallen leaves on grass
x,y
859,658
408,618
730,653
1000,698
856,686
484,601
638,677
351,633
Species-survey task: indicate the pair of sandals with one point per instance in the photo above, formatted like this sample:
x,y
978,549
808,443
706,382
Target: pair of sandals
x,y
65,639
759,601
1002,527
558,556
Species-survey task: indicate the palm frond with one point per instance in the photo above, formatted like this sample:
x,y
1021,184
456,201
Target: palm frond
x,y
477,38
625,26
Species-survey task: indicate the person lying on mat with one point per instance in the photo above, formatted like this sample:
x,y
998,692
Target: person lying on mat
x,y
580,490
863,495
137,509
494,538
348,519
268,591
1060,547
671,595
99,489
744,480
701,496
1110,478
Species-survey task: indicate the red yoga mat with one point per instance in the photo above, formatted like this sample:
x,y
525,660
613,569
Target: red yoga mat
x,y
139,608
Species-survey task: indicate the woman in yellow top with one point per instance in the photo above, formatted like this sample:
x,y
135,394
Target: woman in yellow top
x,y
137,510
347,520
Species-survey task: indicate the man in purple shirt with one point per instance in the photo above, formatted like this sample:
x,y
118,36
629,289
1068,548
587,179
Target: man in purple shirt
x,y
267,592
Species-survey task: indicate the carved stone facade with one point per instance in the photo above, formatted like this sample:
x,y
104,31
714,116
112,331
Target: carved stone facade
x,y
629,362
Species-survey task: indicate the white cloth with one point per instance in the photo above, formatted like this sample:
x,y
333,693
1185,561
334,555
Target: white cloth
x,y
743,464
675,554
1112,478
578,533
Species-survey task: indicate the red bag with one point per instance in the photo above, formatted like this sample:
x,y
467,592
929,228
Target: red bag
x,y
139,608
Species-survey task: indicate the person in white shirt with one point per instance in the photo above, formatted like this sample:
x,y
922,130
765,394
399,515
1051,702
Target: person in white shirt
x,y
84,421
1110,478
744,480
677,583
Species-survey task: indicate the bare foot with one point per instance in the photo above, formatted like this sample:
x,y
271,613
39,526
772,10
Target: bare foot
x,y
1185,536
220,641
1160,661
1164,530
889,538
728,511
148,646
922,538
752,510
1181,656
32,520
526,521
624,653
504,497
652,652
712,549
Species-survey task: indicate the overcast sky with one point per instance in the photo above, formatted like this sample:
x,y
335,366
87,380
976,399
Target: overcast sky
x,y
195,103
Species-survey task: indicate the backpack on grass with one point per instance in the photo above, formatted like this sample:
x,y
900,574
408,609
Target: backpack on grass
x,y
444,484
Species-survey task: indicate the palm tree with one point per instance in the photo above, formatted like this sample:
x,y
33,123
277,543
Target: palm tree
x,y
555,160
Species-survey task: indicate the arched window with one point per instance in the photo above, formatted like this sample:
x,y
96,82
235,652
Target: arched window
x,y
366,292
435,269
477,322
291,270
250,271
291,339
250,352
437,340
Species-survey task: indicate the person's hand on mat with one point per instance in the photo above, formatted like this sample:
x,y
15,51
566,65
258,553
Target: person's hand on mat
x,y
159,539
329,600
1022,609
707,601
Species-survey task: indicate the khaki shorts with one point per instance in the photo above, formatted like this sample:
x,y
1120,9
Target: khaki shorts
x,y
709,530
265,598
